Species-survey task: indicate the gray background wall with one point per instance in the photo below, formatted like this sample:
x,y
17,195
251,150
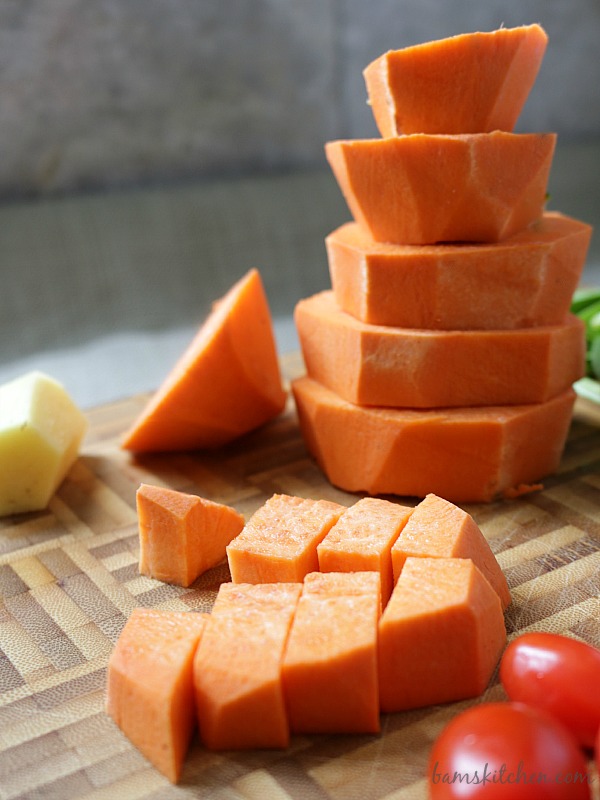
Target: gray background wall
x,y
151,151
101,93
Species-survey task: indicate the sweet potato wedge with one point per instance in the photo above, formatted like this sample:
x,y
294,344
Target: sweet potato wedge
x,y
225,384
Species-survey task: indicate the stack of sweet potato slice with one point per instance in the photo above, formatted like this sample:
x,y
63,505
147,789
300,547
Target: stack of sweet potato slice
x,y
442,359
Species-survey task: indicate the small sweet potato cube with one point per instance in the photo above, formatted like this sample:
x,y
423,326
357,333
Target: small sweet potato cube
x,y
330,665
440,636
279,541
362,538
438,528
182,535
150,688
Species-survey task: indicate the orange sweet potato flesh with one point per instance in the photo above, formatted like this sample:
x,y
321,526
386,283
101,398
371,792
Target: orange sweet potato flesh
x,y
414,368
224,385
440,636
440,529
182,535
362,538
463,455
526,280
279,541
150,690
428,188
472,83
329,669
237,668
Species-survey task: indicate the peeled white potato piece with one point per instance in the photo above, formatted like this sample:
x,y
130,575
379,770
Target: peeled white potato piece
x,y
41,430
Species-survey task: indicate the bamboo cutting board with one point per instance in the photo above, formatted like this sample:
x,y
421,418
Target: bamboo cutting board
x,y
69,579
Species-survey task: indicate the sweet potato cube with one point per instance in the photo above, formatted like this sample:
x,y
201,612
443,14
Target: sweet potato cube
x,y
330,664
237,668
440,636
362,538
150,689
279,541
182,535
439,529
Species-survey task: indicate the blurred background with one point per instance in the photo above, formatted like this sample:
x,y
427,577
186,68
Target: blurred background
x,y
155,150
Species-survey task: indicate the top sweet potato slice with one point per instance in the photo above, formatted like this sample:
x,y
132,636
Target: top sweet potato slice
x,y
471,83
225,384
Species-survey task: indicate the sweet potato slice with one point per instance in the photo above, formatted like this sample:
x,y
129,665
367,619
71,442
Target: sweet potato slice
x,y
471,83
439,529
329,669
526,280
279,541
403,367
182,535
237,668
428,188
440,636
225,384
362,538
150,689
464,455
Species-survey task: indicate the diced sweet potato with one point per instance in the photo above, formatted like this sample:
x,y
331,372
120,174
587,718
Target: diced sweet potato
x,y
330,664
279,541
361,540
237,668
440,636
182,535
150,689
439,529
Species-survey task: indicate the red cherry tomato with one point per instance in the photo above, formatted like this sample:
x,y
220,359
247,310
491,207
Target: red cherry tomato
x,y
558,674
598,752
507,751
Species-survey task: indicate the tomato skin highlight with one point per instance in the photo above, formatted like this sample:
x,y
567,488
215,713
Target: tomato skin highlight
x,y
507,751
558,674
